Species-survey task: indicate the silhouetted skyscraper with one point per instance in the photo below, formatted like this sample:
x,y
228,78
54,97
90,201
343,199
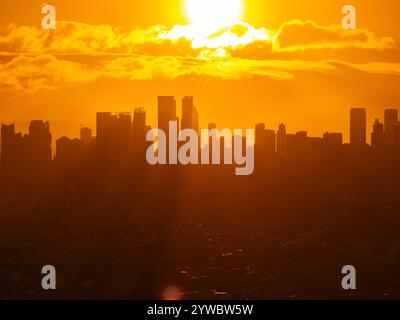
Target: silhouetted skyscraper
x,y
380,162
103,128
139,137
166,112
113,143
396,135
265,140
378,135
281,139
270,141
190,116
391,119
86,135
260,135
7,139
39,150
8,152
358,126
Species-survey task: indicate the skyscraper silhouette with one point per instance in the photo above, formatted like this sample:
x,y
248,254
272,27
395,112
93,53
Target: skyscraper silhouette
x,y
166,112
9,152
260,135
139,138
391,119
86,135
396,136
113,150
39,150
190,116
281,139
358,126
265,140
378,135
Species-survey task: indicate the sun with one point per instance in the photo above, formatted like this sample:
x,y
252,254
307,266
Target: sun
x,y
214,13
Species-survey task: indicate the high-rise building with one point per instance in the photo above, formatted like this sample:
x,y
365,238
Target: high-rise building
x,y
86,135
396,135
260,135
391,119
358,127
281,139
113,144
103,128
265,140
7,151
139,137
270,141
378,135
139,125
166,112
190,116
13,155
39,153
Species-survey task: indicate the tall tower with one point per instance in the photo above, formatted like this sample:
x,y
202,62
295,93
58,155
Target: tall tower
x,y
260,134
190,116
166,112
39,142
86,135
391,119
281,139
7,151
265,140
14,159
139,124
113,144
358,126
378,135
396,135
139,137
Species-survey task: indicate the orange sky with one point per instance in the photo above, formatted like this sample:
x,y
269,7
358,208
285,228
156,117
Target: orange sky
x,y
287,61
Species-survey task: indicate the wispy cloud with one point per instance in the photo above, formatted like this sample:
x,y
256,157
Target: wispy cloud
x,y
302,35
42,72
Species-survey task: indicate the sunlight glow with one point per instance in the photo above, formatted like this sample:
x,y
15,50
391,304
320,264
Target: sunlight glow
x,y
216,27
214,13
232,36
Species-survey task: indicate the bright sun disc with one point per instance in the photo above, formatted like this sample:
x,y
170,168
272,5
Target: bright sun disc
x,y
214,12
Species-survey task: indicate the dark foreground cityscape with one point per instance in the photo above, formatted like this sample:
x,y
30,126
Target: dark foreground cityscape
x,y
115,227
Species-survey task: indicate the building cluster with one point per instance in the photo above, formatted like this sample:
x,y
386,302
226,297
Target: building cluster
x,y
326,168
317,167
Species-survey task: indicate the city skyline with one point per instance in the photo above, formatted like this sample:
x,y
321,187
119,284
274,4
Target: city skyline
x,y
120,147
283,62
390,119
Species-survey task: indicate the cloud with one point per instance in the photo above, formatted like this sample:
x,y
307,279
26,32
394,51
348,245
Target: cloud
x,y
34,59
302,35
30,74
80,38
